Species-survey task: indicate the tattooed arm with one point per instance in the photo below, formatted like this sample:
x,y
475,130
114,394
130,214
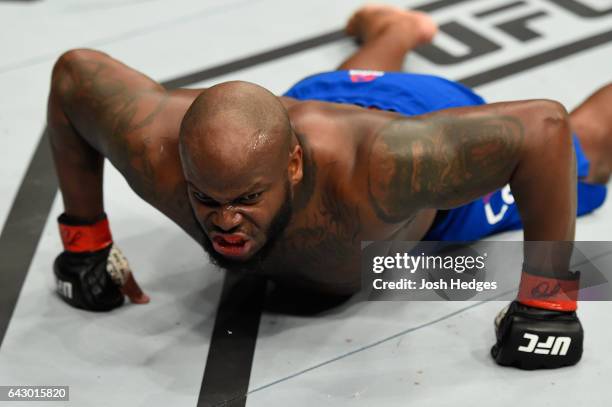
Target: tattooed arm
x,y
450,158
100,108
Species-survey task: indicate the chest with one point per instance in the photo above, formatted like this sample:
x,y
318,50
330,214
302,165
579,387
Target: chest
x,y
322,241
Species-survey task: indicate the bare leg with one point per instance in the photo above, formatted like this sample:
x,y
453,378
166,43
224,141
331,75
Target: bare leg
x,y
592,122
386,34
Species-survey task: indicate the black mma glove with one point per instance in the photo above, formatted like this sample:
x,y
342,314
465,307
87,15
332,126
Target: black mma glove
x,y
540,330
533,338
92,273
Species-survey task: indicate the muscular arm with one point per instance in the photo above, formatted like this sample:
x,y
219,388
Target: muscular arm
x,y
449,158
99,108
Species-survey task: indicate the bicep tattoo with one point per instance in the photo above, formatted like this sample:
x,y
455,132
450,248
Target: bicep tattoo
x,y
440,162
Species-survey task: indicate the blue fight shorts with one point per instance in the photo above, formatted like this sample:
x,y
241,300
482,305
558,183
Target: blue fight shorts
x,y
414,94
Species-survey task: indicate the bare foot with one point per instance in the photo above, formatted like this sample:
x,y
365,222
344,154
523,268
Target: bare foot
x,y
373,20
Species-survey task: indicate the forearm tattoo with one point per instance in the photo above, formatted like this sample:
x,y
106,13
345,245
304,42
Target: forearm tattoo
x,y
440,162
114,107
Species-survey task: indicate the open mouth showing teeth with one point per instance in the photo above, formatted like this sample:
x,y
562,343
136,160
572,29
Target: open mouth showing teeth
x,y
232,246
230,241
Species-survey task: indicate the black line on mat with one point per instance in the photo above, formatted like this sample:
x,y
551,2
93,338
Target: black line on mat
x,y
256,59
499,9
533,61
283,51
23,227
232,344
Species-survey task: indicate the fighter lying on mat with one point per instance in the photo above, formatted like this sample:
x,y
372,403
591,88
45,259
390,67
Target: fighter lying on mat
x,y
287,187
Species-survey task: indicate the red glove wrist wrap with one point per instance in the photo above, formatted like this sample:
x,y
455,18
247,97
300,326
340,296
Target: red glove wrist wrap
x,y
86,238
548,292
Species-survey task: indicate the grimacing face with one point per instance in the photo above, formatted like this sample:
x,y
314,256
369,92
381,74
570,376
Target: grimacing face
x,y
243,213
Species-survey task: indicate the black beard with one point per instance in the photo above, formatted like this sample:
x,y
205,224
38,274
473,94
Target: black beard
x,y
255,263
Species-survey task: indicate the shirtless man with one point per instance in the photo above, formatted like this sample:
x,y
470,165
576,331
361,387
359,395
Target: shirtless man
x,y
287,187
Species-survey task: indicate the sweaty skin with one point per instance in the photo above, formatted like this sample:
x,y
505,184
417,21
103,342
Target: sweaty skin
x,y
361,174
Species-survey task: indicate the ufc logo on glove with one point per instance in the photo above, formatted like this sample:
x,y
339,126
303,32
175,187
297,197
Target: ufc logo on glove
x,y
559,345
